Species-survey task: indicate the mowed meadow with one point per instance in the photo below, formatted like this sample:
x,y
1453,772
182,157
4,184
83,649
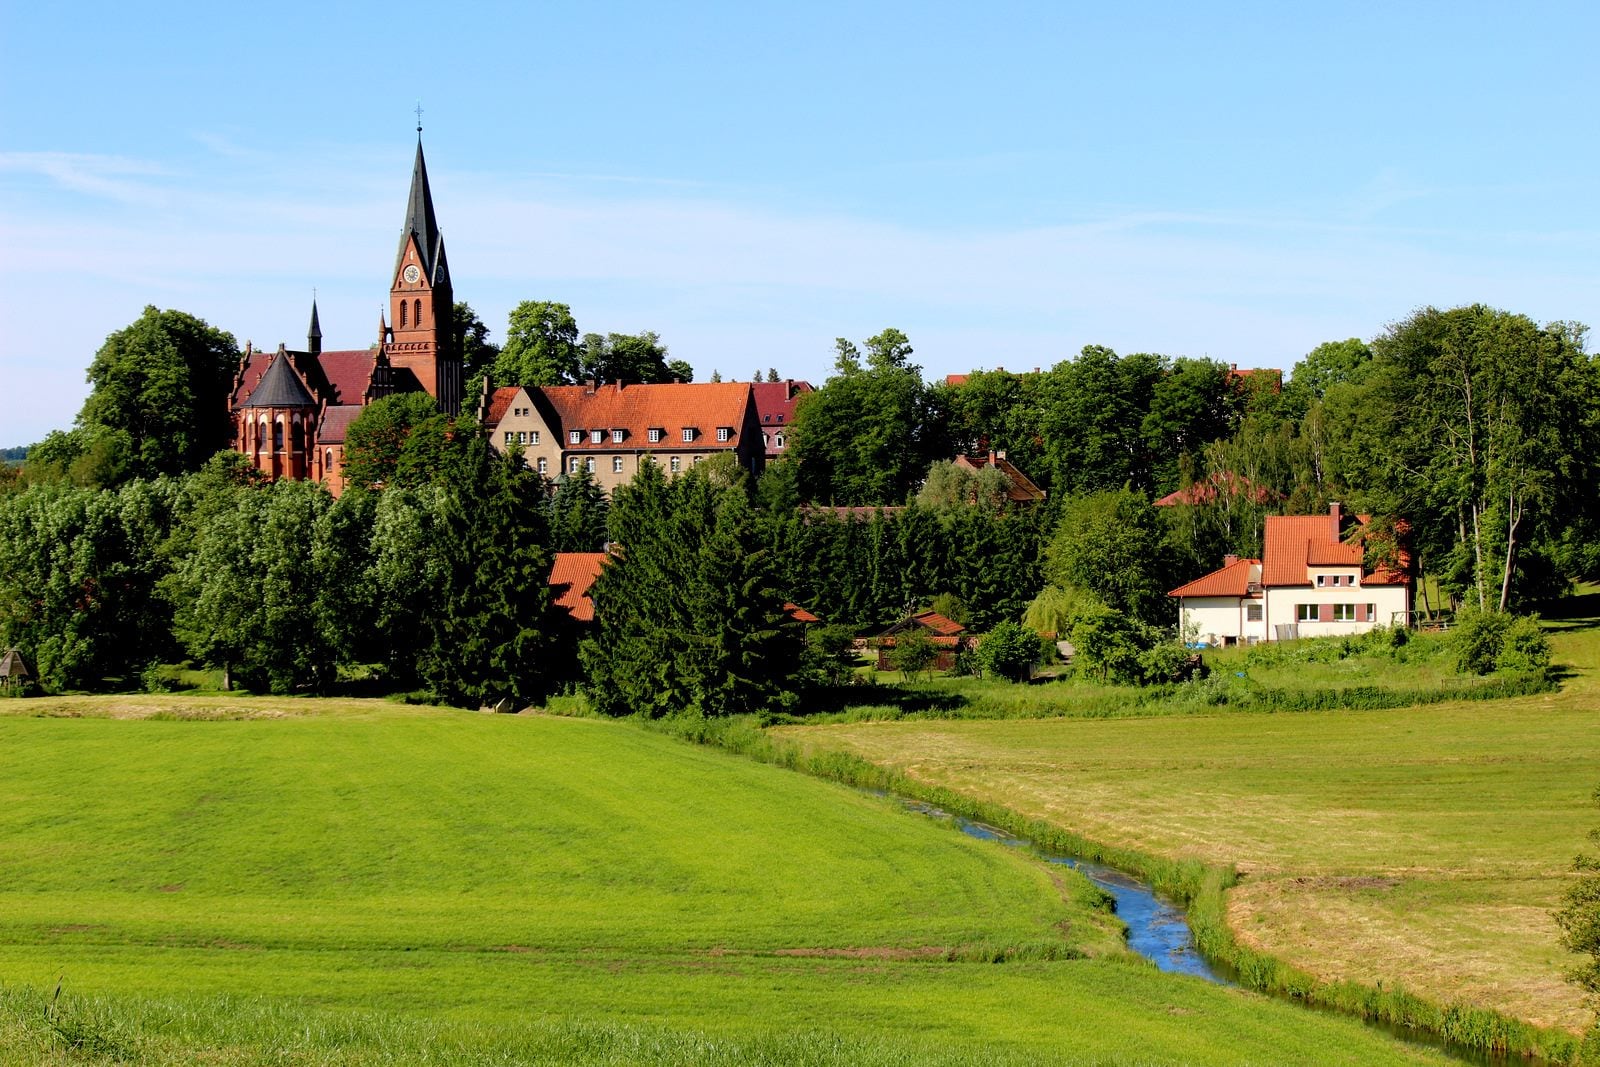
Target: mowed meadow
x,y
1419,848
243,880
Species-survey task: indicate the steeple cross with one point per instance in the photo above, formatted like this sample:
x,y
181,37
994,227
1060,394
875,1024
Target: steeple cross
x,y
419,116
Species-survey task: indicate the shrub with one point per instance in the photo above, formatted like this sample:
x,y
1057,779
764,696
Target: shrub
x,y
1167,661
1010,651
1477,639
1524,647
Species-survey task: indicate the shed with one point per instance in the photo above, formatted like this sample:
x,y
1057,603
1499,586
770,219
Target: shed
x,y
13,672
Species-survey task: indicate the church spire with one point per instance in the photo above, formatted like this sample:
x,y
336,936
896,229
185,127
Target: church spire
x,y
420,223
314,334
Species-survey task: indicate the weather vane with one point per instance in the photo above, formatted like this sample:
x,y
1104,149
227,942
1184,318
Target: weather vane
x,y
419,116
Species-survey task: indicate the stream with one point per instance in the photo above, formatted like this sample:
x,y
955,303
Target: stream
x,y
1159,930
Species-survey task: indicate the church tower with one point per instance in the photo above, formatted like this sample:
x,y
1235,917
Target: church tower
x,y
420,300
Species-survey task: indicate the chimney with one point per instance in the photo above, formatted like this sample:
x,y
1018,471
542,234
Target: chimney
x,y
991,457
588,386
788,389
1333,517
620,382
1230,559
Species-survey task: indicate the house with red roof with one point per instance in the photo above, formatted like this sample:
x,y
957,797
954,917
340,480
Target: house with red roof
x,y
775,406
611,429
1312,581
290,409
571,576
1019,487
948,636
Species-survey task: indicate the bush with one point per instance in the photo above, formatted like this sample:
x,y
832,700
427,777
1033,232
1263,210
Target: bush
x,y
1525,647
1010,651
1477,640
1167,661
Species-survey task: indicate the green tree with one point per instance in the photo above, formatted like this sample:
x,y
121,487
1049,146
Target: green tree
x,y
472,341
1112,545
376,440
1010,651
541,346
161,384
577,514
914,652
1579,919
688,618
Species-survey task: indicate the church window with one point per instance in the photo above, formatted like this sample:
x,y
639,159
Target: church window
x,y
327,461
616,464
404,308
277,436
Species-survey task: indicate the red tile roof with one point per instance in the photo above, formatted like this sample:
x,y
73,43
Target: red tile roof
x,y
1231,580
799,614
776,401
1287,549
499,401
349,372
636,409
335,421
1019,487
1218,484
571,575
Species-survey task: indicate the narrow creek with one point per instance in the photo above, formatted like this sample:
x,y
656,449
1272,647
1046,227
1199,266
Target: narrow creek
x,y
1158,930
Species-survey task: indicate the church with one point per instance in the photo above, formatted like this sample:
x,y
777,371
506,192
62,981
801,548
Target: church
x,y
290,409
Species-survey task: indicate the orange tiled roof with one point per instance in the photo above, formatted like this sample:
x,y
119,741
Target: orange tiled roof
x,y
1218,483
636,409
499,401
1288,546
799,614
571,575
1019,487
1231,580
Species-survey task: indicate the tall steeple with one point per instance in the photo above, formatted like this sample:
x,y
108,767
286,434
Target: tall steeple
x,y
421,301
314,334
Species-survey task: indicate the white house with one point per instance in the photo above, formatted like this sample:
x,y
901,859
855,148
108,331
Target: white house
x,y
1310,582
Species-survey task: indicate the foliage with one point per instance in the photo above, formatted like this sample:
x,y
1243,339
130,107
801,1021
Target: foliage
x,y
629,357
1478,637
472,342
949,485
376,440
688,618
1112,545
1010,651
160,385
541,346
914,652
1107,645
865,437
79,570
578,510
1579,916
1524,646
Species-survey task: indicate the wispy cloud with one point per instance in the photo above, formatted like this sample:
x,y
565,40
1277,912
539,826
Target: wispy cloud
x,y
109,177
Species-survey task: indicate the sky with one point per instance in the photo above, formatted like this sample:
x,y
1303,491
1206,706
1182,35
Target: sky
x,y
1005,182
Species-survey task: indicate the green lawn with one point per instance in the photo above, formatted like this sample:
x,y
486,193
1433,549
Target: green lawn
x,y
247,880
1421,847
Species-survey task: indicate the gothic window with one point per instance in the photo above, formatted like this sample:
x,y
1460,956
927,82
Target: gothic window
x,y
416,313
277,435
327,461
404,309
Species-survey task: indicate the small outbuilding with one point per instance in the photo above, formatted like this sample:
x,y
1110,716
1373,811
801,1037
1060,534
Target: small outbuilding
x,y
13,671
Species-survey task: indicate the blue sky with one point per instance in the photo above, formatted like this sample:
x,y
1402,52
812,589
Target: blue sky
x,y
1005,183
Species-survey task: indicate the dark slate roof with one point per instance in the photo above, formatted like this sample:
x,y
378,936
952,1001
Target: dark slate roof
x,y
316,327
336,423
421,222
280,387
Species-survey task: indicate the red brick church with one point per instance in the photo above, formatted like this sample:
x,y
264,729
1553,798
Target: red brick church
x,y
290,409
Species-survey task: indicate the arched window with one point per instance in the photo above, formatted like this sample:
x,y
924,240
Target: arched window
x,y
261,434
403,309
277,434
416,314
327,461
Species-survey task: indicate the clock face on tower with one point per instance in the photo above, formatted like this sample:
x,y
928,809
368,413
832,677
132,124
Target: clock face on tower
x,y
412,274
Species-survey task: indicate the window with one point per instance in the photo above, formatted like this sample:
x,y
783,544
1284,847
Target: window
x,y
688,433
766,418
596,436
522,438
616,436
1306,613
575,437
533,437
510,437
1322,580
544,465
780,416
724,433
780,440
327,461
1252,612
697,459
416,314
616,464
676,464
656,434
1344,613
403,310
572,465
588,464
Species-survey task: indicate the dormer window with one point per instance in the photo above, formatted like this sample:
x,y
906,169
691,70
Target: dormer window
x,y
766,418
656,434
724,433
596,436
617,436
575,437
688,434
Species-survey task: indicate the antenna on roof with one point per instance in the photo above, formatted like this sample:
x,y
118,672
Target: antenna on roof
x,y
419,118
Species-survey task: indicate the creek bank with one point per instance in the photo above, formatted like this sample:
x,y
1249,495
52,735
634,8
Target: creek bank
x,y
1473,1034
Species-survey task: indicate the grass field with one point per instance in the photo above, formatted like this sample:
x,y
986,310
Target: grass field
x,y
243,880
1420,847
